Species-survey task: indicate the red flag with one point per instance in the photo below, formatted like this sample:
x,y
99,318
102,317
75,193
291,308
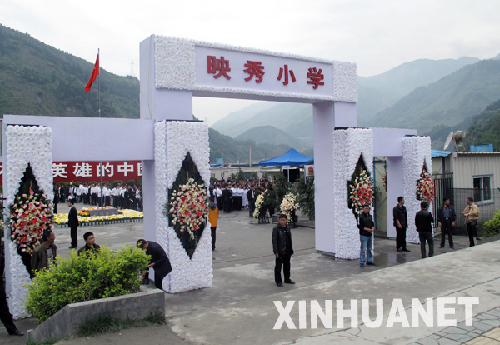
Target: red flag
x,y
95,72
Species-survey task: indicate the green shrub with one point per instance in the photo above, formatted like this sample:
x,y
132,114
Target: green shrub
x,y
492,227
84,278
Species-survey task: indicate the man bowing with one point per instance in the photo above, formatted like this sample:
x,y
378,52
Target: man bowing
x,y
159,260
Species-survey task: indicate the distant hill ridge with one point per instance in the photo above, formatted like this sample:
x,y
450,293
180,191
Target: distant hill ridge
x,y
452,100
271,135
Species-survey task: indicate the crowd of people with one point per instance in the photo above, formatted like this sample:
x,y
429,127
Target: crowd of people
x,y
122,196
236,196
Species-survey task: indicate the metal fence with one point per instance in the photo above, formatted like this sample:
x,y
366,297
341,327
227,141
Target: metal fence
x,y
488,202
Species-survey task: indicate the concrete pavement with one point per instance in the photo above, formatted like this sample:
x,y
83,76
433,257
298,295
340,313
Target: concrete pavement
x,y
240,309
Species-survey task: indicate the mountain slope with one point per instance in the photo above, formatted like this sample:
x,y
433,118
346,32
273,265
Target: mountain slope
x,y
383,90
235,151
448,101
271,135
485,128
278,115
233,119
37,79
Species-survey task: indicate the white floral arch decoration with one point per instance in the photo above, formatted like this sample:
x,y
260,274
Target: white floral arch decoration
x,y
416,152
173,140
25,145
348,146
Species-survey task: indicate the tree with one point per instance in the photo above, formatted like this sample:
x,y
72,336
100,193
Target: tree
x,y
282,186
306,196
240,176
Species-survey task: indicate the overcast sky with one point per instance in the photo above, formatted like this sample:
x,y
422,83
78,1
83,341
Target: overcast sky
x,y
378,35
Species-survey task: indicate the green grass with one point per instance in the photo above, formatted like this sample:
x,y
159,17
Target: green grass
x,y
48,341
109,324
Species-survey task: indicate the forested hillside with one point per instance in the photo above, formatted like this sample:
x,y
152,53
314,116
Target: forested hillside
x,y
37,79
485,127
450,101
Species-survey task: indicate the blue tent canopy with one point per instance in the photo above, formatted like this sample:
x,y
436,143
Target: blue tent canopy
x,y
291,158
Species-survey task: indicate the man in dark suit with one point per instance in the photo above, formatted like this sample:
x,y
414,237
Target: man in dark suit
x,y
446,217
159,260
400,222
251,196
423,222
227,196
5,314
131,197
73,222
282,249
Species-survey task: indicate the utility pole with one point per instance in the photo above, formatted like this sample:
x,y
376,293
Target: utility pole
x,y
250,160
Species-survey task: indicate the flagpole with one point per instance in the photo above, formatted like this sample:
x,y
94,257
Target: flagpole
x,y
99,84
99,105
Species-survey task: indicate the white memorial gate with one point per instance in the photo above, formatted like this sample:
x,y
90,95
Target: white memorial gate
x,y
174,70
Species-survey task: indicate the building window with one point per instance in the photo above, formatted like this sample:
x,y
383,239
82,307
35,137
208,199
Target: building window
x,y
482,188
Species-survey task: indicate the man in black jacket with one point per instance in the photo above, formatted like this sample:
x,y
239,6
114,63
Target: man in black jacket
x,y
282,249
159,260
423,221
90,245
227,196
73,222
446,217
251,196
400,222
366,230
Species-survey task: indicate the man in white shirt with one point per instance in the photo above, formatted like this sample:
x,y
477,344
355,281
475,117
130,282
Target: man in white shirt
x,y
123,197
106,194
218,196
99,195
79,192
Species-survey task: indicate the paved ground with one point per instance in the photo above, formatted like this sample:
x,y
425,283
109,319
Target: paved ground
x,y
239,308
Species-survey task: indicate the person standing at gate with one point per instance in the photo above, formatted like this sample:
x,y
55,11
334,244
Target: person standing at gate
x,y
282,249
446,217
73,222
471,214
400,222
366,230
423,222
213,216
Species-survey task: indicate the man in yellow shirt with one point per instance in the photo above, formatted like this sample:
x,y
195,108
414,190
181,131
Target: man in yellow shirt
x,y
213,216
471,214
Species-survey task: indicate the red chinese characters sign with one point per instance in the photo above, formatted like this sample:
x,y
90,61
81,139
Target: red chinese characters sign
x,y
255,70
92,171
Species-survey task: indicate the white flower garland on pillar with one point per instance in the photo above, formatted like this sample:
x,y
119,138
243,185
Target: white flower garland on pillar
x,y
173,140
25,145
416,152
348,145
